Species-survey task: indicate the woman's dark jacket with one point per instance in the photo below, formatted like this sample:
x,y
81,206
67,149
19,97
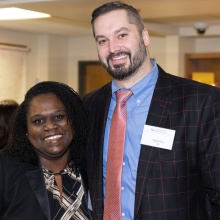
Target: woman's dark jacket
x,y
23,194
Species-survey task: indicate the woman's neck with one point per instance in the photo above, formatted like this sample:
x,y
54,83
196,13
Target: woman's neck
x,y
55,164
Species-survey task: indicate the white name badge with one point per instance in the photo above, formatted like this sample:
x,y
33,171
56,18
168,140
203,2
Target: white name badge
x,y
158,137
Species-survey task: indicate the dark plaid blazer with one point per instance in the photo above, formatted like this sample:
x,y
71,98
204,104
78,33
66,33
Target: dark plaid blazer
x,y
178,184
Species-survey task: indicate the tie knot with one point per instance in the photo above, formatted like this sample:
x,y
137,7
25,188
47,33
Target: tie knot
x,y
123,95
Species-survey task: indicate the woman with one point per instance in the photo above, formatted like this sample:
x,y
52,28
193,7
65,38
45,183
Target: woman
x,y
7,108
42,170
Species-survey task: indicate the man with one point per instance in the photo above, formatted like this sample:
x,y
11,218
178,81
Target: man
x,y
171,159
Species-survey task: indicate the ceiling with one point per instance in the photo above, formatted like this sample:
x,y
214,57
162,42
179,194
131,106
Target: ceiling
x,y
162,17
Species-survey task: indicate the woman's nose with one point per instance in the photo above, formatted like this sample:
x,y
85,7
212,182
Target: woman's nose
x,y
50,125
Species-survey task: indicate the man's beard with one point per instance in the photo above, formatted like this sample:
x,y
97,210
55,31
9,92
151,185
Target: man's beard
x,y
120,71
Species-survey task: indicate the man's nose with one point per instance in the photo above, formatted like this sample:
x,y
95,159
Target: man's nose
x,y
113,46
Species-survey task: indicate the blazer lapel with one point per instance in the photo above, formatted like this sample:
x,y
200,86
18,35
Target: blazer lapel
x,y
98,130
36,180
157,116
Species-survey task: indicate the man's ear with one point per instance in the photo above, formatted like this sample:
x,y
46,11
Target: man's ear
x,y
146,37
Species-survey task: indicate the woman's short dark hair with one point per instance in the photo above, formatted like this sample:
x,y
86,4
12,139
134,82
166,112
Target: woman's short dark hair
x,y
21,146
7,108
132,13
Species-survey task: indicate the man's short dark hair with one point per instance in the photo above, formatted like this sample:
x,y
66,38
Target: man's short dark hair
x,y
132,13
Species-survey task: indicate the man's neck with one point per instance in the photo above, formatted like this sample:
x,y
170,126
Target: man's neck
x,y
135,78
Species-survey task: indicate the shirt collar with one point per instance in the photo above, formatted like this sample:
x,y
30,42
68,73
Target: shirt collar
x,y
138,89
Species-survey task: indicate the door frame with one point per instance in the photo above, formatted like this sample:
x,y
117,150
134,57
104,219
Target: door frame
x,y
82,74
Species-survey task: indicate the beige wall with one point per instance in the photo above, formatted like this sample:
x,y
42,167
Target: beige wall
x,y
56,57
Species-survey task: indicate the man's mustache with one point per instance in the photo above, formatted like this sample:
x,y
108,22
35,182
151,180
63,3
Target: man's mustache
x,y
121,53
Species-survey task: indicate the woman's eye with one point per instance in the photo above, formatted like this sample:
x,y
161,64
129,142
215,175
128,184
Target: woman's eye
x,y
38,121
58,117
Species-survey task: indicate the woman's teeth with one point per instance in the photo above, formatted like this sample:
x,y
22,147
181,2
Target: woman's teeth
x,y
54,137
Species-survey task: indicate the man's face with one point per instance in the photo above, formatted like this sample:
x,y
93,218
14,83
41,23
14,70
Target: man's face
x,y
121,49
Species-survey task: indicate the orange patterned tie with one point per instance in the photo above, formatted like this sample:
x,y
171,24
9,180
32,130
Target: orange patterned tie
x,y
112,209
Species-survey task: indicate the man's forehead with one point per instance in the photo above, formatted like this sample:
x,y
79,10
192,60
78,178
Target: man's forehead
x,y
111,22
112,15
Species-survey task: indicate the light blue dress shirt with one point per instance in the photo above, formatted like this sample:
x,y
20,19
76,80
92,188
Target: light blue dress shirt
x,y
137,111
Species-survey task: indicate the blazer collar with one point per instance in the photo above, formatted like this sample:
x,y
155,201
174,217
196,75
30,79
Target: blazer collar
x,y
36,180
104,98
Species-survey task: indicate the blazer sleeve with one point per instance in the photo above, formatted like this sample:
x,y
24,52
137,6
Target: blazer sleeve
x,y
209,149
1,186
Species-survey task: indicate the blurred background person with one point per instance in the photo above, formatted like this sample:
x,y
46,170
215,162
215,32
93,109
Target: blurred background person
x,y
42,169
7,108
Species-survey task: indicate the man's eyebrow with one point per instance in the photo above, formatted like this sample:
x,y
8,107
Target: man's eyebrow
x,y
121,29
99,36
115,32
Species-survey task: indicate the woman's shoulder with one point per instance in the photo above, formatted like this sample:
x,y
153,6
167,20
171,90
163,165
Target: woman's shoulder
x,y
6,159
5,155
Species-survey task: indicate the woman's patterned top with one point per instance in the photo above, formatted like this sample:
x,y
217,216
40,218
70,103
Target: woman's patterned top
x,y
72,205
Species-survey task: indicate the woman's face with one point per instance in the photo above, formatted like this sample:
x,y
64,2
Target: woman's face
x,y
48,128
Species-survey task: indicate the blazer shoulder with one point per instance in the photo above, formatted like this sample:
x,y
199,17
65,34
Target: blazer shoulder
x,y
98,91
180,82
6,158
98,95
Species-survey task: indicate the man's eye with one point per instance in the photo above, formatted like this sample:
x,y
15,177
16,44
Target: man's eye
x,y
121,36
102,42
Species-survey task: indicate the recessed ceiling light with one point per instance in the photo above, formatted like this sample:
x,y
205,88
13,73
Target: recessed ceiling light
x,y
18,13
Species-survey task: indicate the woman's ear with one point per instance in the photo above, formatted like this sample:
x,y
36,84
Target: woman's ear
x,y
146,37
